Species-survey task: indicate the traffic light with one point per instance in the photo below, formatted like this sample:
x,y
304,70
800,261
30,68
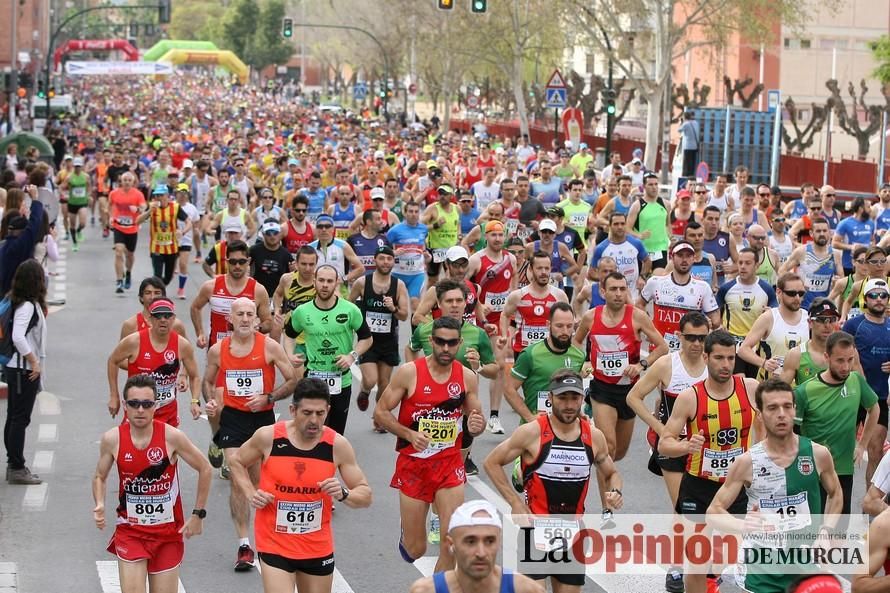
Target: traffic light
x,y
287,28
52,92
446,4
134,30
41,91
22,92
478,6
609,96
164,11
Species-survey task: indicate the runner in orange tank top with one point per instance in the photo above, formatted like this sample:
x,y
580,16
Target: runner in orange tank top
x,y
239,387
150,523
434,394
160,353
299,459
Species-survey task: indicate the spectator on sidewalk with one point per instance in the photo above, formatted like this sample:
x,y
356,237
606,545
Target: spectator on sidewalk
x,y
24,231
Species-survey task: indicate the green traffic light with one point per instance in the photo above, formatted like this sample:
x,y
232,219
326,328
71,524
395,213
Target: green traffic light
x,y
610,110
479,6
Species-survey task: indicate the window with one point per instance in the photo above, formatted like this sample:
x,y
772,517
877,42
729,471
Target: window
x,y
806,44
591,63
803,115
832,44
787,43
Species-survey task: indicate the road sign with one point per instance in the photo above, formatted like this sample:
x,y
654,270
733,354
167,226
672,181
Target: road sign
x,y
773,98
472,101
360,91
556,81
555,98
412,89
98,68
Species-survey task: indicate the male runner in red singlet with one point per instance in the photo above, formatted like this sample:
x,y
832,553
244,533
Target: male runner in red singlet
x,y
239,387
160,353
561,444
149,527
299,459
298,231
433,393
878,557
494,270
530,306
150,288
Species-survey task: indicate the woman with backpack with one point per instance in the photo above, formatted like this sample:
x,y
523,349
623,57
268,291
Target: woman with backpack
x,y
27,300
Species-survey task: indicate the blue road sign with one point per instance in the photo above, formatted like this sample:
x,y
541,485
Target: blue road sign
x,y
360,91
555,98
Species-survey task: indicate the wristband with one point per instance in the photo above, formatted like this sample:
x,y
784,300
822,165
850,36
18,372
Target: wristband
x,y
354,355
617,491
196,401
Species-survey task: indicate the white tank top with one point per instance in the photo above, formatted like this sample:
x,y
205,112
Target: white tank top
x,y
783,249
200,189
785,336
681,378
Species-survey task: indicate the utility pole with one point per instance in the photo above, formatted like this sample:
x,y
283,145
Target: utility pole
x,y
12,95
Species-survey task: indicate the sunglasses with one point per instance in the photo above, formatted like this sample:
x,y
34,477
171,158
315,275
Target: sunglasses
x,y
324,226
763,195
816,208
877,262
162,315
452,343
859,261
516,252
829,195
794,293
779,219
303,210
877,295
701,191
238,262
695,337
824,320
757,237
145,404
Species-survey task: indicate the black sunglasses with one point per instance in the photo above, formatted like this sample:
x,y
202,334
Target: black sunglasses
x,y
238,262
876,295
145,404
794,293
452,343
162,315
695,337
299,209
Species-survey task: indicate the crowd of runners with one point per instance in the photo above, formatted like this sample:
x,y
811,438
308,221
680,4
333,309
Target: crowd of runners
x,y
722,315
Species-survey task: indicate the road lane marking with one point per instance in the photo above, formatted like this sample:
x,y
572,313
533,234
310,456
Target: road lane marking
x,y
48,404
47,433
340,585
426,565
43,462
8,577
110,578
35,497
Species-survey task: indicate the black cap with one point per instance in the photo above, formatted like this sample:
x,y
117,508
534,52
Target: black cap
x,y
556,211
386,250
567,384
823,308
17,223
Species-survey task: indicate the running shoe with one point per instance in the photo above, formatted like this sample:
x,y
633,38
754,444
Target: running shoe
x,y
673,581
494,425
127,281
470,467
120,287
516,476
80,234
433,536
75,248
215,455
245,559
181,294
105,232
606,521
713,585
362,401
224,472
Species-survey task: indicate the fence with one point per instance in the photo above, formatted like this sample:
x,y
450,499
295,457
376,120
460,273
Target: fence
x,y
731,136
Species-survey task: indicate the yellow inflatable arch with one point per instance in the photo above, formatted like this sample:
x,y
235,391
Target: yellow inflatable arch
x,y
224,58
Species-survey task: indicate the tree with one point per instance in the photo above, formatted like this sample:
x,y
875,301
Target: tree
x,y
682,100
880,49
194,20
849,120
803,138
237,27
267,46
737,87
660,31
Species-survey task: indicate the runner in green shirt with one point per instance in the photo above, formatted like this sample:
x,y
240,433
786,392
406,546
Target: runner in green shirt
x,y
828,409
648,220
77,185
330,325
576,209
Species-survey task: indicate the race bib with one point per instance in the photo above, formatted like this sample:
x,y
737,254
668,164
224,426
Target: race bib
x,y
125,220
78,192
410,262
439,255
673,341
149,510
298,517
578,219
554,534
496,300
244,383
367,261
341,233
524,233
379,323
532,334
442,432
611,364
220,336
716,463
511,225
787,513
164,238
818,283
544,405
166,393
332,378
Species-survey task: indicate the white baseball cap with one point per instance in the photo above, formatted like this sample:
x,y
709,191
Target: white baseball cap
x,y
187,164
474,513
547,225
78,162
377,193
232,225
456,253
379,154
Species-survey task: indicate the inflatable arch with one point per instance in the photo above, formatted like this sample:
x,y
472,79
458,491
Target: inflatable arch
x,y
131,53
224,58
162,47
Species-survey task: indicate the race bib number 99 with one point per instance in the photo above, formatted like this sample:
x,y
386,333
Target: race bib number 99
x,y
244,383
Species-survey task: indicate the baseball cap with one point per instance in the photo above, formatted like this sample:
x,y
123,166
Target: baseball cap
x,y
270,226
232,225
294,162
187,164
582,146
684,193
445,189
377,193
474,513
18,223
556,211
160,189
567,384
547,225
823,308
182,187
379,154
386,250
324,218
682,246
493,226
78,162
456,253
161,305
820,583
428,148
875,284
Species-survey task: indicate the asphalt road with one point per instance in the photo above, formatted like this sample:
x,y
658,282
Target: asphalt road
x,y
48,541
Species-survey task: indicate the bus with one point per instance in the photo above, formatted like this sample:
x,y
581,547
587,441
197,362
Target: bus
x,y
57,105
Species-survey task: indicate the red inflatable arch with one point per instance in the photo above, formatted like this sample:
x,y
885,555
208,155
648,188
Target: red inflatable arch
x,y
130,52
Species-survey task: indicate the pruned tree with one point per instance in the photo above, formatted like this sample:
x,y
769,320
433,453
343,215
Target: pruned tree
x,y
587,96
683,100
736,88
806,136
848,117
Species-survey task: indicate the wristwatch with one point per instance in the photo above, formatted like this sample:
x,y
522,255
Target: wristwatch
x,y
201,513
644,363
354,355
344,493
271,398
